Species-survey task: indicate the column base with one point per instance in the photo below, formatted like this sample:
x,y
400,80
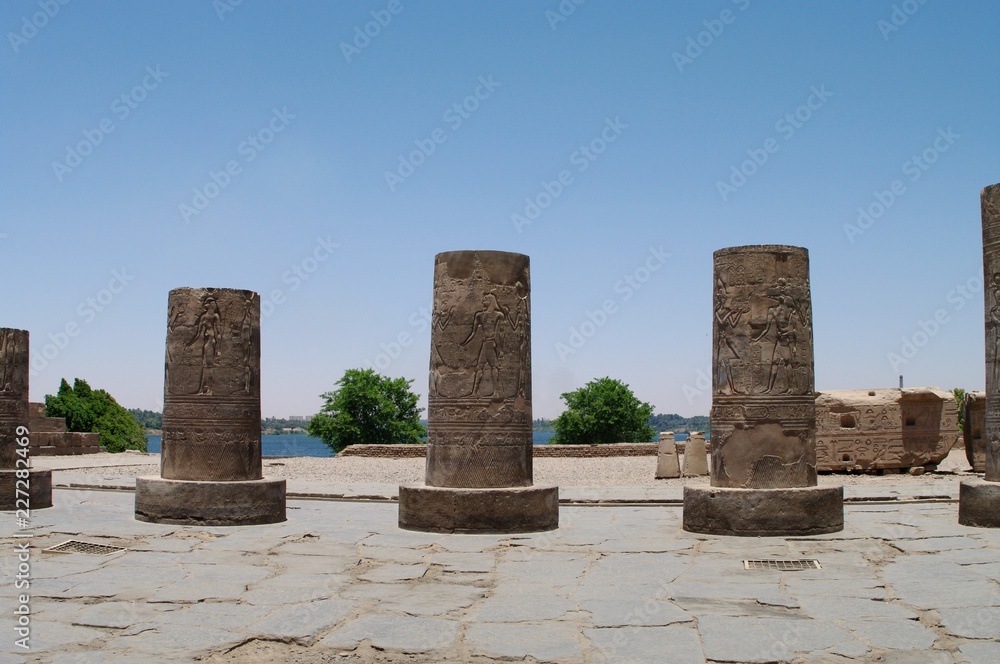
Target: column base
x,y
527,509
979,503
39,489
764,512
187,503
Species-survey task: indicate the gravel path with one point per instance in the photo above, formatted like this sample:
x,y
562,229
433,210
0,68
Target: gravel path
x,y
613,471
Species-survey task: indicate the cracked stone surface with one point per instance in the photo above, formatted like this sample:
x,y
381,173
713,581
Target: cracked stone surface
x,y
340,582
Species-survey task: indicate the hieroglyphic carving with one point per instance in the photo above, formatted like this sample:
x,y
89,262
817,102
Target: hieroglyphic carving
x,y
990,200
479,404
884,429
13,392
763,405
211,414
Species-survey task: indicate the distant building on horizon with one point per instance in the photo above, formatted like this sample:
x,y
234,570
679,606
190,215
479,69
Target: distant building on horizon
x,y
298,418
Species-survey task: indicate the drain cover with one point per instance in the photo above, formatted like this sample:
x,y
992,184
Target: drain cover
x,y
782,565
77,546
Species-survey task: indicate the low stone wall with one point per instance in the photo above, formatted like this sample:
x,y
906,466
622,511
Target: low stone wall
x,y
579,451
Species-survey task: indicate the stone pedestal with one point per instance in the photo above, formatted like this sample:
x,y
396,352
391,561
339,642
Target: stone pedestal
x,y
210,464
479,441
763,467
16,471
974,430
667,465
695,457
979,500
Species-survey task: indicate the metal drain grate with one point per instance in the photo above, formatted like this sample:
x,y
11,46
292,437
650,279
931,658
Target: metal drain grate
x,y
782,565
76,546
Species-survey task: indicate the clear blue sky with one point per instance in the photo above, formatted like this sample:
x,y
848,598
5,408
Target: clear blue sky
x,y
666,120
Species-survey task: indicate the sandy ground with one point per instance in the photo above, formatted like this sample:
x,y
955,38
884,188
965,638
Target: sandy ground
x,y
614,471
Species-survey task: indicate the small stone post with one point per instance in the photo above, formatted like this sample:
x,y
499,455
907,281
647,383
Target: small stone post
x,y
667,465
695,457
479,440
763,420
22,486
210,466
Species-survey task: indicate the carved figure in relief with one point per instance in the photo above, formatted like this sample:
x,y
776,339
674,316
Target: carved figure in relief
x,y
520,325
209,330
7,350
246,341
439,322
785,318
726,353
995,323
489,321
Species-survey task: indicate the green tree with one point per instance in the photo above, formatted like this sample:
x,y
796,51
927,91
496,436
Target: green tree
x,y
96,411
603,411
368,407
960,398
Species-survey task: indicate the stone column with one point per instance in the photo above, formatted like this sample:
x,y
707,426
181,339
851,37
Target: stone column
x,y
16,471
763,448
667,465
210,464
979,499
479,440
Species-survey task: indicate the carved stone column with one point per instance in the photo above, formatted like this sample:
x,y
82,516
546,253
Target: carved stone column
x,y
979,499
210,465
22,487
763,469
479,440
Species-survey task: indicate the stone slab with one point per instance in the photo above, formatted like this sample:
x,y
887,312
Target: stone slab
x,y
979,503
240,503
764,512
502,510
39,489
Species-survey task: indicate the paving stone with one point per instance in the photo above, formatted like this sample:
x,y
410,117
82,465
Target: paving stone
x,y
932,544
735,607
294,588
637,611
895,634
552,642
981,622
649,571
173,642
219,615
501,608
829,608
980,653
750,639
914,657
430,599
393,554
394,573
391,632
464,561
301,623
638,645
56,636
114,615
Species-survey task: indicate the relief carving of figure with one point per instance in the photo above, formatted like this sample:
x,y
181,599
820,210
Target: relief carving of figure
x,y
246,341
488,320
785,318
7,350
725,352
994,320
209,330
439,322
